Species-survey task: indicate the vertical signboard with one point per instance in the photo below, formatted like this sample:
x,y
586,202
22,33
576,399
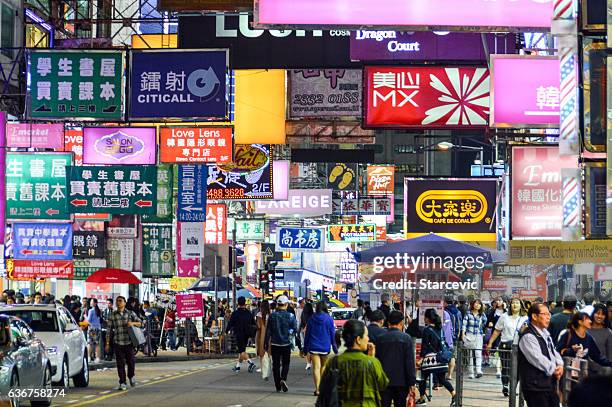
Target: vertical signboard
x,y
119,145
178,84
609,132
216,224
192,193
75,84
73,143
120,253
165,178
192,239
2,177
36,186
187,262
157,253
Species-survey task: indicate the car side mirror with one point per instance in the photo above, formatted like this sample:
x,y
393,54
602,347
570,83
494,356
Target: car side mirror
x,y
71,327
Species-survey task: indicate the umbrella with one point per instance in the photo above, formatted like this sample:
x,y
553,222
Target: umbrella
x,y
208,284
243,292
113,276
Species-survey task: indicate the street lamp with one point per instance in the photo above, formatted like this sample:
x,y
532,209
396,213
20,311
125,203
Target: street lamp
x,y
447,146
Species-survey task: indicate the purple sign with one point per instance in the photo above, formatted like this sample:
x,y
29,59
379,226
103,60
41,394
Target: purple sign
x,y
369,45
2,175
35,135
119,145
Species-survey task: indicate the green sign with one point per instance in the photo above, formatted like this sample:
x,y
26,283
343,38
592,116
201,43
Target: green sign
x,y
164,196
250,229
75,84
86,267
157,253
36,186
115,189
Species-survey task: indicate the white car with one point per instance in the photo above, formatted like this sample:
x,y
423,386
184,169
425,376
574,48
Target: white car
x,y
63,338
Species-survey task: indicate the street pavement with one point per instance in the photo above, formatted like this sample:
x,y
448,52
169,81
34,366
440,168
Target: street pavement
x,y
211,383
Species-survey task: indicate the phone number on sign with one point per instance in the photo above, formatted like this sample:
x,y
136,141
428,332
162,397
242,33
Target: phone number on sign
x,y
35,394
225,193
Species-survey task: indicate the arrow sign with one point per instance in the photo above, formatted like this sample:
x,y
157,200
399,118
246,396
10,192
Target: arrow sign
x,y
142,203
52,212
79,202
191,208
28,252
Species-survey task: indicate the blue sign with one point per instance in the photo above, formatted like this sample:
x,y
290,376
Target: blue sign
x,y
42,241
178,84
192,193
300,239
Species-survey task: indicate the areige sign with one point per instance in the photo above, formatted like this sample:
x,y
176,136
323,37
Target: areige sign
x,y
525,91
119,145
424,14
303,202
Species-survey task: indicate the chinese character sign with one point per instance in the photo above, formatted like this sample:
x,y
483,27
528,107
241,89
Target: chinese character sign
x,y
36,186
75,84
119,145
196,145
250,229
157,253
381,179
189,305
192,193
36,269
300,239
426,97
216,224
537,205
351,233
88,245
114,189
362,206
42,241
35,135
349,269
248,177
185,84
165,180
525,91
120,253
73,143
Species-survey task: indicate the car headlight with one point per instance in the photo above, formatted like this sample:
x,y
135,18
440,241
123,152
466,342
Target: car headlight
x,y
52,350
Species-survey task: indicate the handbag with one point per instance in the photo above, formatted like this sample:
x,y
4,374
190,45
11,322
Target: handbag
x,y
411,399
433,362
136,336
266,366
328,389
446,354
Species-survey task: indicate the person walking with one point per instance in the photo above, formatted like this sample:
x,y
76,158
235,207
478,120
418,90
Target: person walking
x,y
539,364
106,314
118,326
473,329
385,308
307,313
94,319
361,378
359,312
376,327
498,308
319,339
394,350
456,320
559,321
507,328
170,329
242,323
577,342
603,338
282,325
261,320
433,342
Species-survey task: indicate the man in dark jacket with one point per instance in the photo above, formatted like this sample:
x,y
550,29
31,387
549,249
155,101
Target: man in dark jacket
x,y
281,328
243,323
394,350
559,321
375,329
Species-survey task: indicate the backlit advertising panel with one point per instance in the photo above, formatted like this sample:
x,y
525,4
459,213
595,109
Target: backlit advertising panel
x,y
119,145
182,145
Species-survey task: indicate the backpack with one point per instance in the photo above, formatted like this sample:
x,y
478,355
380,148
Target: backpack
x,y
328,389
456,320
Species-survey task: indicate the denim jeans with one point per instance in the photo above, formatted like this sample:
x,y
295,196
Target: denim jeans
x,y
172,339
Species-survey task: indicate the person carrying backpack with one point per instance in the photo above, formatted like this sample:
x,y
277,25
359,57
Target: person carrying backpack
x,y
456,319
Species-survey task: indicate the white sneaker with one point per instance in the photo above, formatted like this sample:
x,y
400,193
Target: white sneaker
x,y
121,387
97,360
308,366
471,376
133,382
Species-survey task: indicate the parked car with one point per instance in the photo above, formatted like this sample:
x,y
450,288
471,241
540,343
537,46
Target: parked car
x,y
62,336
341,315
24,362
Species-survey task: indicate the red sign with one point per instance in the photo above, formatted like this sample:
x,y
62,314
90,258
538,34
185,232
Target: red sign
x,y
32,269
189,306
433,97
537,204
381,179
381,233
195,145
73,143
216,224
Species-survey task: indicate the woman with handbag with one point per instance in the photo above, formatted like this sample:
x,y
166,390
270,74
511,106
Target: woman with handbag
x,y
474,324
577,342
262,324
435,356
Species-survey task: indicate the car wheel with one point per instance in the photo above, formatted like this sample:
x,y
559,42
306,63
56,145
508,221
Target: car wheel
x,y
46,385
15,401
82,379
65,379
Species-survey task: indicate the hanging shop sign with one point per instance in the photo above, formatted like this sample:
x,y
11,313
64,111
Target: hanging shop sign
x,y
191,237
194,145
120,253
75,84
381,179
199,5
463,209
478,15
88,245
113,189
342,177
38,269
548,252
537,206
250,229
192,193
300,239
325,93
119,145
178,84
525,91
84,268
36,186
42,241
593,15
248,177
368,45
361,206
157,252
280,180
303,202
596,196
426,97
189,305
594,78
181,283
216,224
263,49
186,267
122,226
351,233
349,269
73,143
3,210
35,135
165,178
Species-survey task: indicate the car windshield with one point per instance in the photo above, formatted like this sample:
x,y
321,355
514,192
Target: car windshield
x,y
39,321
342,315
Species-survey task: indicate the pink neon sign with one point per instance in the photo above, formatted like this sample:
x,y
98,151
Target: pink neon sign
x,y
413,13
